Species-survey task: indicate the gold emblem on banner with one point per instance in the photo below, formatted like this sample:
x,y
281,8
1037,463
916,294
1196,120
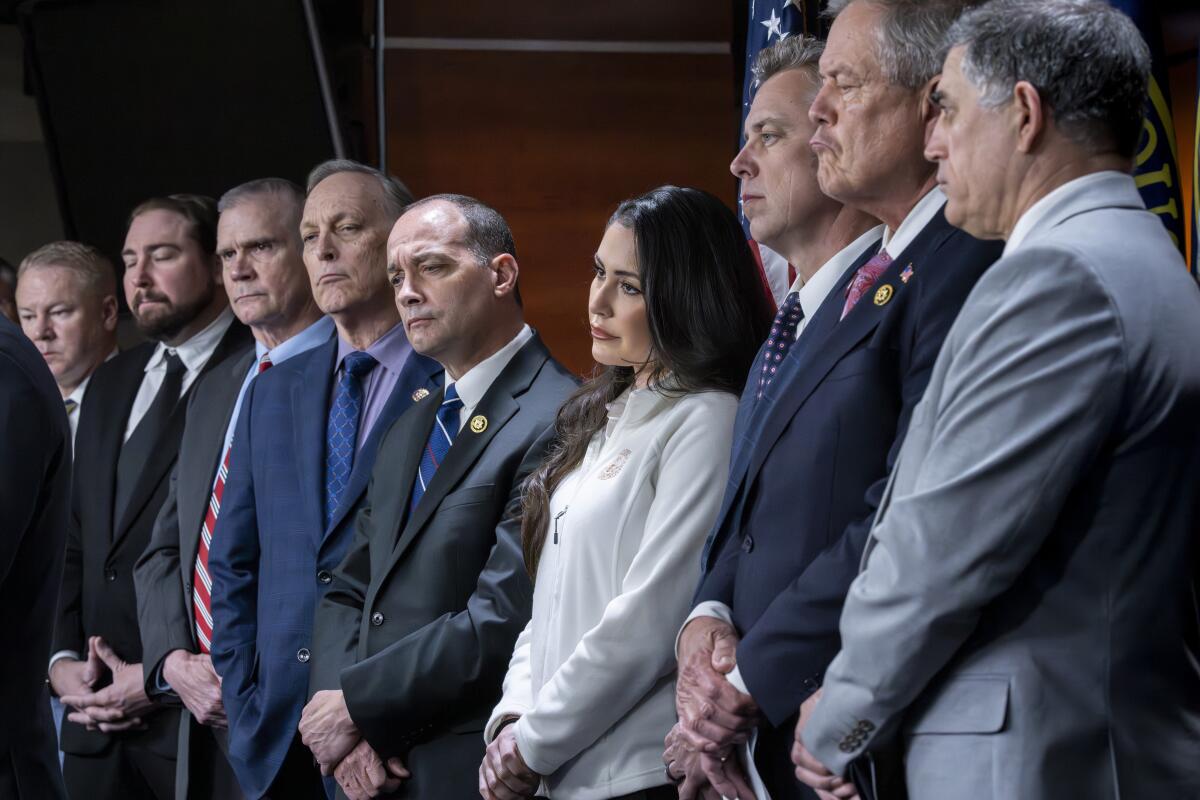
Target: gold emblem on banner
x,y
420,394
884,294
478,423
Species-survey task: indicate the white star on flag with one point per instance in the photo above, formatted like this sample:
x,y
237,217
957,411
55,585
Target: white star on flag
x,y
773,25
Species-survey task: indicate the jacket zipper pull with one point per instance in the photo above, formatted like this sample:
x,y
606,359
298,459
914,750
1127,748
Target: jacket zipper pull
x,y
557,517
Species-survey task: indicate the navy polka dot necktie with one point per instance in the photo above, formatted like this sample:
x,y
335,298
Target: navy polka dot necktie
x,y
341,432
783,336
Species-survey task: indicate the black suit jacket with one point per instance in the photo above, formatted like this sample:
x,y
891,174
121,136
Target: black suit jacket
x,y
98,596
809,466
35,483
419,624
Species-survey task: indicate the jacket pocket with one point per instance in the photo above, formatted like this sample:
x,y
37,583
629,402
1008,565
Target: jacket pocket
x,y
977,704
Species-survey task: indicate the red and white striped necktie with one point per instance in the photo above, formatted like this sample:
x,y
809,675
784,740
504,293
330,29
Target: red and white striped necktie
x,y
201,582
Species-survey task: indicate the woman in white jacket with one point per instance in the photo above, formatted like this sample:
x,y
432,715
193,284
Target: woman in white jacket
x,y
615,520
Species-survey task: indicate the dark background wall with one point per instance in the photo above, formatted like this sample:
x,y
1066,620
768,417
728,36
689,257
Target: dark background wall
x,y
552,112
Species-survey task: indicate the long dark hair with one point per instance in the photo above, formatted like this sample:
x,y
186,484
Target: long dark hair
x,y
708,314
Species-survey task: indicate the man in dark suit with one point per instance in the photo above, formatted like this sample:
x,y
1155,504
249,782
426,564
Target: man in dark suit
x,y
303,449
413,637
35,486
117,743
258,243
815,444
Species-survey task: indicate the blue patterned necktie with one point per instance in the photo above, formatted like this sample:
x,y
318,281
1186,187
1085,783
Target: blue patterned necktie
x,y
445,428
783,336
341,433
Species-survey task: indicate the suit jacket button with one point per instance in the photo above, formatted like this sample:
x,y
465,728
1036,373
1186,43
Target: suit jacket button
x,y
747,543
324,576
110,575
302,655
377,618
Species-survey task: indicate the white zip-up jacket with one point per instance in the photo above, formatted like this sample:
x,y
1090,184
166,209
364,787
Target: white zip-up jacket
x,y
592,678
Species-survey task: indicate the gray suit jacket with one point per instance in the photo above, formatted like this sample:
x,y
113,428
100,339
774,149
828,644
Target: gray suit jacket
x,y
163,574
1026,620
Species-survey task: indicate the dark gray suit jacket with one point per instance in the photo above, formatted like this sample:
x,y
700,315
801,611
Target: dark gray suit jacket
x,y
420,621
35,486
163,575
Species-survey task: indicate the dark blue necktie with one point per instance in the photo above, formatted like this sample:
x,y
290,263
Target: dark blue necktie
x,y
341,433
445,428
783,336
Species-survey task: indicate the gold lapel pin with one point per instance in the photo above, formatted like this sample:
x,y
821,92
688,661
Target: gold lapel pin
x,y
883,294
478,423
420,394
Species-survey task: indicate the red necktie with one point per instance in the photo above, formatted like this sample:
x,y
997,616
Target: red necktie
x,y
201,582
864,279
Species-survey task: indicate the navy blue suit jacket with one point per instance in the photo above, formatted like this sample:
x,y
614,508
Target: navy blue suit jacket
x,y
809,463
272,555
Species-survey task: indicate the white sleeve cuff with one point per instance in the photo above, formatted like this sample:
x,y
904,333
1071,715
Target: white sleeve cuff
x,y
735,678
709,608
61,654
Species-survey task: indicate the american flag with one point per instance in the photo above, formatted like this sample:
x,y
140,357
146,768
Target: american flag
x,y
769,22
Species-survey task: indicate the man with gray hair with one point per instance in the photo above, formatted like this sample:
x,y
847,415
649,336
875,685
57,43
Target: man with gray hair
x,y
1026,620
813,457
67,305
258,245
303,447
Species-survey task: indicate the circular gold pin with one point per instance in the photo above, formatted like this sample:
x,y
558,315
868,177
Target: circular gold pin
x,y
883,294
478,423
420,394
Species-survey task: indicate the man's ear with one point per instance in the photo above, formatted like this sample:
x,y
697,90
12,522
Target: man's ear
x,y
1030,116
505,271
929,109
108,312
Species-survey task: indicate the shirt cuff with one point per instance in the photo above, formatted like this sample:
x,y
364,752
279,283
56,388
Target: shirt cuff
x,y
709,608
61,654
160,681
735,679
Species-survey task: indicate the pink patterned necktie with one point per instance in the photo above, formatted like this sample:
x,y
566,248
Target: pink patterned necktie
x,y
201,582
783,336
864,279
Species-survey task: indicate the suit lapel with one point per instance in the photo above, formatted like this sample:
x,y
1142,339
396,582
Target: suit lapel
x,y
206,448
418,372
498,405
167,449
310,412
115,405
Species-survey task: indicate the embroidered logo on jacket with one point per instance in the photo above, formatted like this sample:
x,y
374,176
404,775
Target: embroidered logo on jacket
x,y
612,469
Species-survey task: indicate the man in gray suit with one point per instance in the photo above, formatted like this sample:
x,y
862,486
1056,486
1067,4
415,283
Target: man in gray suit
x,y
1026,619
258,243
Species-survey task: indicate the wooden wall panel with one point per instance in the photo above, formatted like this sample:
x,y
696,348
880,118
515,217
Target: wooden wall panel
x,y
554,141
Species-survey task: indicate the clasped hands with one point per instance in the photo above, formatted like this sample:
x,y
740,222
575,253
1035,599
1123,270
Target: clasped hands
x,y
120,706
714,717
341,751
503,774
812,772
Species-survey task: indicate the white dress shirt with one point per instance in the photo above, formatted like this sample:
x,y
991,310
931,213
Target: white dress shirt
x,y
194,353
473,384
921,215
592,676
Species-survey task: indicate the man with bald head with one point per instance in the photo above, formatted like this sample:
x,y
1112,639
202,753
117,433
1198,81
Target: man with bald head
x,y
258,245
303,448
414,635
67,304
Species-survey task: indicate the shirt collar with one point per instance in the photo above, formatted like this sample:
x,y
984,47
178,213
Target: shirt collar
x,y
302,342
195,352
475,382
920,216
814,291
390,350
77,394
1041,212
